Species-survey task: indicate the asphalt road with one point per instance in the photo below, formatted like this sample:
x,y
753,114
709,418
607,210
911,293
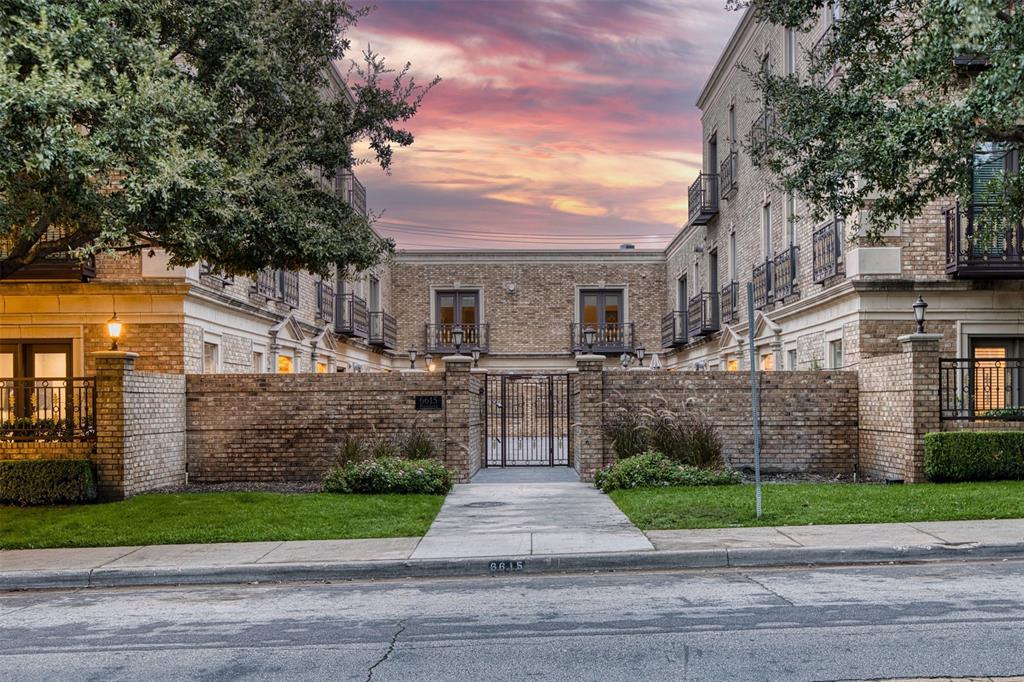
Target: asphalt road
x,y
964,619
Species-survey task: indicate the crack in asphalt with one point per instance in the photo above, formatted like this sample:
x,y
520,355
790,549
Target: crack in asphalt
x,y
387,653
768,589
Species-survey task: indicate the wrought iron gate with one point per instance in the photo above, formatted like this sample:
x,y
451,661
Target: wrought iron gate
x,y
526,420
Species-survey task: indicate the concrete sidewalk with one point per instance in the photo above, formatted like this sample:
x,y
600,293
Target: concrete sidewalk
x,y
396,557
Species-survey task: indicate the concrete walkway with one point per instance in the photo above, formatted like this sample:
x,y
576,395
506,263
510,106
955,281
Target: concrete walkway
x,y
522,512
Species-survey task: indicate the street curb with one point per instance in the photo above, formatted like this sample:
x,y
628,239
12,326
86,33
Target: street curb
x,y
649,560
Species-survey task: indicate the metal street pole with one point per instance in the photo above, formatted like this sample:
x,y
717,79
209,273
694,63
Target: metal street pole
x,y
755,397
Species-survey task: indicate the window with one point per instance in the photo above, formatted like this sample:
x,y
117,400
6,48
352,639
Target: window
x,y
601,308
285,364
50,360
211,358
996,383
732,126
791,359
768,362
321,367
790,47
458,308
732,365
766,231
790,219
375,305
681,293
713,154
835,353
257,363
732,256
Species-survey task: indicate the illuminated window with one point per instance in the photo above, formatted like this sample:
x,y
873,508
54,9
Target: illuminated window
x,y
321,367
285,364
989,379
732,365
768,362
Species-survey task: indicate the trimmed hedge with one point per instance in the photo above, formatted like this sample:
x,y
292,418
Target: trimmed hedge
x,y
974,456
390,475
655,470
46,481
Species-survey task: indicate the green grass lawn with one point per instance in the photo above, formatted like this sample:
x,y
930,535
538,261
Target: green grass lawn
x,y
218,517
797,504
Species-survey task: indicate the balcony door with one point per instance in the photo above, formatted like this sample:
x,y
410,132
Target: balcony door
x,y
40,399
997,373
457,309
602,309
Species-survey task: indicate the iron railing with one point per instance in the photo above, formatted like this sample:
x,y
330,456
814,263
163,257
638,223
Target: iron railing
x,y
729,300
762,279
728,180
208,272
981,389
673,329
703,198
826,249
825,72
440,338
36,409
526,419
760,130
383,330
608,338
267,282
56,266
977,250
784,271
325,300
702,314
290,288
351,316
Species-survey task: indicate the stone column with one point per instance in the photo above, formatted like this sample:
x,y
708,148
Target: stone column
x,y
922,354
461,417
112,369
587,419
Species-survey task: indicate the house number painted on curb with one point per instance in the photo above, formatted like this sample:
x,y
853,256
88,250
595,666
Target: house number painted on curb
x,y
505,566
428,402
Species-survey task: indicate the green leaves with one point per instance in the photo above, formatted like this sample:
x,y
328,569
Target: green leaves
x,y
199,127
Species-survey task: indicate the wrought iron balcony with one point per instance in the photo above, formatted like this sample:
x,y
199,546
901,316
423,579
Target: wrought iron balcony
x,y
826,246
760,130
762,278
348,187
703,199
784,273
729,300
440,338
702,314
383,330
826,70
290,288
981,389
55,267
207,273
975,250
35,409
728,180
325,300
351,317
267,282
608,338
673,329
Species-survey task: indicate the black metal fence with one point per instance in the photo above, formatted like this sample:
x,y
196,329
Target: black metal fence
x,y
762,279
981,388
784,269
728,175
729,299
526,420
48,409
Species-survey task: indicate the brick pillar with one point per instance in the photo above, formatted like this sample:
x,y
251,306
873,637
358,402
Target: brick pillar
x,y
588,415
461,450
922,354
112,368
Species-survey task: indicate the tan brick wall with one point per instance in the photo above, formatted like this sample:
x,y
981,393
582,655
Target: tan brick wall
x,y
12,450
154,445
159,345
236,354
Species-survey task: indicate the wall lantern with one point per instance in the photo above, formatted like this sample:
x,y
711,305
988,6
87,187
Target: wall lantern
x,y
476,357
589,336
919,306
457,337
640,352
412,357
429,360
114,327
624,360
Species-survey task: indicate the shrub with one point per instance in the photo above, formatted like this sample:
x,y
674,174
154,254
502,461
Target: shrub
x,y
390,475
1006,413
655,470
683,437
351,449
46,481
417,444
974,456
384,448
627,433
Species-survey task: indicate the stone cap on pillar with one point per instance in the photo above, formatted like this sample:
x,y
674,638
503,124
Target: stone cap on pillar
x,y
115,360
918,338
115,355
457,363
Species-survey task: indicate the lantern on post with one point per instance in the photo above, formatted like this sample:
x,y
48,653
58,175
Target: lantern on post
x,y
114,327
919,307
640,352
412,357
457,337
589,336
476,357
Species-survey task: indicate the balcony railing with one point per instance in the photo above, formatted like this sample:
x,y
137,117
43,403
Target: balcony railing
x,y
38,409
673,329
383,330
440,338
351,317
55,267
762,278
975,250
702,314
760,130
826,72
826,246
703,198
784,271
208,273
729,299
325,301
290,288
981,389
267,282
608,338
728,180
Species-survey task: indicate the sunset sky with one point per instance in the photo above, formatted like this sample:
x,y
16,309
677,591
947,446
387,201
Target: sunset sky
x,y
566,124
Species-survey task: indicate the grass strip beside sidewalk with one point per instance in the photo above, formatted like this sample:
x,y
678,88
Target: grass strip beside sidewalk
x,y
218,517
798,504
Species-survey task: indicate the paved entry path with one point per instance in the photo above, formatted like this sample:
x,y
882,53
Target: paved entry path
x,y
537,510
